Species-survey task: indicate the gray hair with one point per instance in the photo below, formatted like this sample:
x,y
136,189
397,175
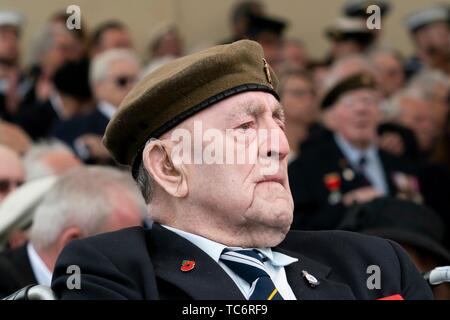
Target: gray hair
x,y
393,108
101,64
81,198
32,160
145,183
427,80
44,40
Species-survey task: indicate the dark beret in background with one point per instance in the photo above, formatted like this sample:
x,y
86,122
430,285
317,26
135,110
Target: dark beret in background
x,y
402,221
350,83
358,8
181,88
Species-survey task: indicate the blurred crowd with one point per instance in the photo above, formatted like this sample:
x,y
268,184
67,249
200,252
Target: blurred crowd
x,y
368,129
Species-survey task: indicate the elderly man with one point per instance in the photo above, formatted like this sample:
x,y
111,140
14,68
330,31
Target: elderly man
x,y
347,167
12,172
218,225
68,212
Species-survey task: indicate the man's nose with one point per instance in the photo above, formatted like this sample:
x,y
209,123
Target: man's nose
x,y
273,142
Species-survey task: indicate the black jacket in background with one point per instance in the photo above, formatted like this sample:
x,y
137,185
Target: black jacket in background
x,y
15,271
313,209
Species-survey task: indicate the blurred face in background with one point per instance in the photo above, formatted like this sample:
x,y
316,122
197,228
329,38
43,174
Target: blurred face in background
x,y
295,54
9,44
115,38
122,76
169,45
12,173
433,39
355,116
64,48
299,100
391,76
342,49
416,115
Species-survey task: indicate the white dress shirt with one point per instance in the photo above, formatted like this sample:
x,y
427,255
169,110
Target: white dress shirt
x,y
373,169
274,265
107,109
40,270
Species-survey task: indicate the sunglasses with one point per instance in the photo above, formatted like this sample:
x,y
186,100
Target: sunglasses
x,y
7,185
124,81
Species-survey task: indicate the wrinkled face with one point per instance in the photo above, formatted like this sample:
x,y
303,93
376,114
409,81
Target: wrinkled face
x,y
356,115
12,173
248,196
298,99
122,76
417,116
390,72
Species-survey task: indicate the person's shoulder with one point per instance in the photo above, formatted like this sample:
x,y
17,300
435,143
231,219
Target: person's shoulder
x,y
115,240
398,163
350,247
335,238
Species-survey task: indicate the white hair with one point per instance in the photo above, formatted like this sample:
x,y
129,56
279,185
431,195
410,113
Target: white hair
x,y
83,198
427,80
393,108
32,160
101,64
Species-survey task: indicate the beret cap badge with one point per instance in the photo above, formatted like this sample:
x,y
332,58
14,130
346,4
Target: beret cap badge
x,y
267,71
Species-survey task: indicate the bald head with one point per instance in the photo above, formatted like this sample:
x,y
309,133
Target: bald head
x,y
12,172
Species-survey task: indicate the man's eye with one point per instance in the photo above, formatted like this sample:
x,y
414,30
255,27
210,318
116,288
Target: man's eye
x,y
246,126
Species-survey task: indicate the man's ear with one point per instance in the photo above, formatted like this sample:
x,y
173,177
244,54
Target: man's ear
x,y
68,235
158,163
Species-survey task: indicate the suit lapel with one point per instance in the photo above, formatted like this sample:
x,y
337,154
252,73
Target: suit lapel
x,y
325,290
207,280
387,170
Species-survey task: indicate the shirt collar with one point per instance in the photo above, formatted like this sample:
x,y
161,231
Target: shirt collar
x,y
352,153
215,249
107,109
40,270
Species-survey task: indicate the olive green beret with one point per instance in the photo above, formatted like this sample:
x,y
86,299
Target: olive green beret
x,y
353,82
181,88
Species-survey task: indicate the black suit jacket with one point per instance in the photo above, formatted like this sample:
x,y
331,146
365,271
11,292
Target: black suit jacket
x,y
307,175
138,263
38,120
15,271
68,131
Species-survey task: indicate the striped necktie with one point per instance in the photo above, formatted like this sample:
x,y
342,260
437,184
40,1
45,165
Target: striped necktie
x,y
248,264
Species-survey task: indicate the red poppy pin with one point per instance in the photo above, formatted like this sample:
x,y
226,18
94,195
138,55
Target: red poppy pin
x,y
332,181
187,265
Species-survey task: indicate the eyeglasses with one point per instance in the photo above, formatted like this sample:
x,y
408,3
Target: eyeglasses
x,y
7,185
124,81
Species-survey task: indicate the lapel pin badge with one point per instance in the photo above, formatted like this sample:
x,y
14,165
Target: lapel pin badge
x,y
187,265
310,279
